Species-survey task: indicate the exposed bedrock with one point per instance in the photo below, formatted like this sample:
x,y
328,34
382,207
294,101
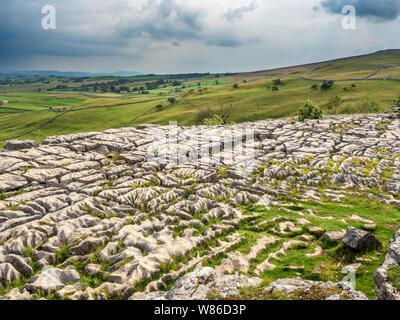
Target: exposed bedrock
x,y
103,215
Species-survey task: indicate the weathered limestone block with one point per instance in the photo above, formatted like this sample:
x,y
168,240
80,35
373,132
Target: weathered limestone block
x,y
20,144
360,240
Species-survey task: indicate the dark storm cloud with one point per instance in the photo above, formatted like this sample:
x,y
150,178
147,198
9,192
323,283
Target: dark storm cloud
x,y
172,20
381,10
21,34
165,19
112,30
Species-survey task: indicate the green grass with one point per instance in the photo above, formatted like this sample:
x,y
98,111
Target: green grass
x,y
63,254
253,100
73,122
386,217
393,275
359,67
259,293
37,101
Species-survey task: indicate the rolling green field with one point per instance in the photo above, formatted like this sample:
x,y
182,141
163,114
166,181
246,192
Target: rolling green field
x,y
252,100
36,101
71,122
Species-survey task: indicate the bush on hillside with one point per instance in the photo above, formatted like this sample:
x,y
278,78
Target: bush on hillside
x,y
366,107
275,89
397,104
224,112
326,85
202,114
235,86
216,120
334,104
309,111
369,106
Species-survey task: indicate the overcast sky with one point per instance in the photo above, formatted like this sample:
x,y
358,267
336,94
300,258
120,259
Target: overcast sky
x,y
181,36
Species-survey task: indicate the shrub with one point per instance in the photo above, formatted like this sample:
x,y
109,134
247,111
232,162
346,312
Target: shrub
x,y
275,89
309,111
369,106
326,85
334,104
216,120
314,87
208,113
159,107
235,86
171,100
397,104
204,113
225,112
277,82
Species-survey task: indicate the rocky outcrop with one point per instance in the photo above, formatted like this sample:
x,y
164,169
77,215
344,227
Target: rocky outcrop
x,y
20,144
52,279
325,290
199,283
334,236
104,201
205,283
385,290
360,240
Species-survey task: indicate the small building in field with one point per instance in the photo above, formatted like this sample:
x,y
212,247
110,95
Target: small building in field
x,y
4,102
123,92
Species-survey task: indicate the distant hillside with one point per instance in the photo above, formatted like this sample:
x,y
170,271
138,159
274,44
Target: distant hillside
x,y
68,74
315,65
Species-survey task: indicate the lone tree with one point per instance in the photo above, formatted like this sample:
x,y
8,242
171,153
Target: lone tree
x,y
326,85
277,82
334,104
171,100
309,111
235,86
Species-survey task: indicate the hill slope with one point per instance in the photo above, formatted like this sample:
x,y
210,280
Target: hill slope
x,y
372,78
